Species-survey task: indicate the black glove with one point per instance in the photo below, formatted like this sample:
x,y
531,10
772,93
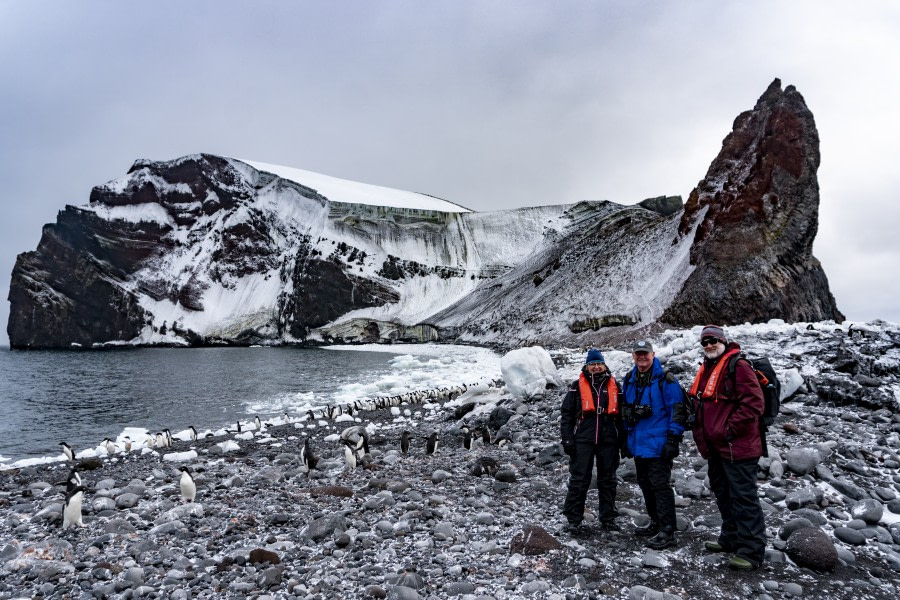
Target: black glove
x,y
569,449
671,448
624,453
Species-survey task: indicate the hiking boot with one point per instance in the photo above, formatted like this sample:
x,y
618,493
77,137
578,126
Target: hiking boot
x,y
575,529
663,539
715,547
742,562
610,525
649,531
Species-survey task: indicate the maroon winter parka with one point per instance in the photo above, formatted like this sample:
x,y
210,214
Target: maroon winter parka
x,y
728,422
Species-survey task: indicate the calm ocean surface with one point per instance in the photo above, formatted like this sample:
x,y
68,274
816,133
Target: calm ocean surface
x,y
82,397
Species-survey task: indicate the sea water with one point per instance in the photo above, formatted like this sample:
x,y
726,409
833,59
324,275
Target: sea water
x,y
82,397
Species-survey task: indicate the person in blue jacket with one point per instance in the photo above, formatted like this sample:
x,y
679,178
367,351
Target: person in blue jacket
x,y
654,415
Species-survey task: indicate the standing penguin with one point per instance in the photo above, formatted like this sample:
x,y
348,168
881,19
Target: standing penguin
x,y
349,454
74,480
432,444
67,450
109,445
257,423
404,442
127,442
193,433
467,439
309,459
72,508
187,485
485,435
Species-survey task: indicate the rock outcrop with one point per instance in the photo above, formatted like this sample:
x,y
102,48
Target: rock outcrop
x,y
207,250
758,213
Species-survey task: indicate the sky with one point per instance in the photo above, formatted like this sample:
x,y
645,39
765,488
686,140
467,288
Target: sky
x,y
490,104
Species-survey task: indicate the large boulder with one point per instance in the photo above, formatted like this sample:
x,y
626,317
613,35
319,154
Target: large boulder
x,y
812,548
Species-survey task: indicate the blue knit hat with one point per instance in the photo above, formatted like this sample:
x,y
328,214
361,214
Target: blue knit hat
x,y
594,356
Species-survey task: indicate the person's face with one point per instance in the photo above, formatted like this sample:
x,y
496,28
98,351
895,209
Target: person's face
x,y
595,368
712,348
643,360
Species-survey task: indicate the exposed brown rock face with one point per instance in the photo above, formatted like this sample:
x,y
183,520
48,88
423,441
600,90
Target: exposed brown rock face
x,y
753,247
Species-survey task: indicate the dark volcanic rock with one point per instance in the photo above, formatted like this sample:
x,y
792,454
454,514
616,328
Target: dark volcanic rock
x,y
753,248
811,547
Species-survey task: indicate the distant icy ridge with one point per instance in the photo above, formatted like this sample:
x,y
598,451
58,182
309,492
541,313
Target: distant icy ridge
x,y
343,190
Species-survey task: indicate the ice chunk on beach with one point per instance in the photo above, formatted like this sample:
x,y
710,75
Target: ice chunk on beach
x,y
527,371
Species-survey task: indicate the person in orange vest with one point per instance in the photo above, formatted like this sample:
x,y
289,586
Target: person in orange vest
x,y
728,401
591,428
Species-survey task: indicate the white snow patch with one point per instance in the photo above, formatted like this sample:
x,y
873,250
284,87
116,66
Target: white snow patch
x,y
180,456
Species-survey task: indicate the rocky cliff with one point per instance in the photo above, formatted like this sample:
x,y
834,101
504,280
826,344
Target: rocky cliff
x,y
213,250
756,215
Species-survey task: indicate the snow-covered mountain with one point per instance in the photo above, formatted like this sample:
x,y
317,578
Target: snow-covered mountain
x,y
210,250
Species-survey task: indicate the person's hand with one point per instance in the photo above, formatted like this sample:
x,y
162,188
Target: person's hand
x,y
671,448
569,449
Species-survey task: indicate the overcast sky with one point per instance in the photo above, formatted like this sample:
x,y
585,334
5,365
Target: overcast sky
x,y
489,104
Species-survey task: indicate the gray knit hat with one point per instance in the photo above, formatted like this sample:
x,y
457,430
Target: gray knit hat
x,y
714,331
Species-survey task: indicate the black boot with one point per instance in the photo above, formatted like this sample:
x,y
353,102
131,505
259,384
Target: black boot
x,y
663,539
648,531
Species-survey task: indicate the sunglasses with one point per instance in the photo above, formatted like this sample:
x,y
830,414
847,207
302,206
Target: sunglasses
x,y
708,342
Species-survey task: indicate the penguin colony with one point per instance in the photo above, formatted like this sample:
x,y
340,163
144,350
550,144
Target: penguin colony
x,y
354,440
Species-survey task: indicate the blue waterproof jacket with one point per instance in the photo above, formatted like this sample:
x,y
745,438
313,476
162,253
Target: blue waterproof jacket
x,y
647,437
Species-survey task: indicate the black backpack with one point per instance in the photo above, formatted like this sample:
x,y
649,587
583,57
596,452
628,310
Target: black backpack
x,y
768,381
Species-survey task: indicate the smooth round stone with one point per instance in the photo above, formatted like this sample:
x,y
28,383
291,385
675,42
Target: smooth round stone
x,y
794,589
853,537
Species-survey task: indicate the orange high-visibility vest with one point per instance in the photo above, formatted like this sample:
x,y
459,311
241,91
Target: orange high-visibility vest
x,y
587,398
709,391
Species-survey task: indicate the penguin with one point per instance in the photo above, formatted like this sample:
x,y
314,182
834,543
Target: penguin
x,y
287,419
160,439
349,454
67,450
193,433
72,508
187,485
127,444
257,423
404,442
485,435
170,441
74,480
467,439
109,445
432,444
309,459
150,441
358,436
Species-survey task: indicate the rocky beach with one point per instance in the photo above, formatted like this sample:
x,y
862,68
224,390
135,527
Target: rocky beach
x,y
482,523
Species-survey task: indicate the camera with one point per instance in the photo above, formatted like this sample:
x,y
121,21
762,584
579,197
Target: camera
x,y
632,413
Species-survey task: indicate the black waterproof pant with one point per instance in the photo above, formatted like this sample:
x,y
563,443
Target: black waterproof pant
x,y
743,524
654,476
581,467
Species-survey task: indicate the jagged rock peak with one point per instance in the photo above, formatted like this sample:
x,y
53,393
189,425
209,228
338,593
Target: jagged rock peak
x,y
756,212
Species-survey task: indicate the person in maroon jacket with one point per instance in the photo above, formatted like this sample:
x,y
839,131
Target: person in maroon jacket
x,y
729,404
